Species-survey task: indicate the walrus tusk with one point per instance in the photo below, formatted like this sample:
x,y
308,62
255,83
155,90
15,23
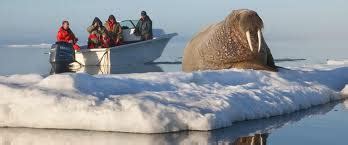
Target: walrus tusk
x,y
249,40
259,38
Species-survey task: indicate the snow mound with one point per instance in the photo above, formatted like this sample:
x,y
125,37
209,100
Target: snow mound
x,y
163,102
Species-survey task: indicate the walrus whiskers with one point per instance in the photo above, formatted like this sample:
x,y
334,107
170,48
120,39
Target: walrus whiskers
x,y
249,40
259,38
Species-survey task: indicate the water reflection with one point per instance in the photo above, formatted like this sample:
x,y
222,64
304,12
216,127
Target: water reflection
x,y
102,70
345,104
257,139
242,133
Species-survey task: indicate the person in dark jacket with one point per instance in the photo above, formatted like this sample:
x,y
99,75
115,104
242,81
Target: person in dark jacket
x,y
96,32
114,30
144,27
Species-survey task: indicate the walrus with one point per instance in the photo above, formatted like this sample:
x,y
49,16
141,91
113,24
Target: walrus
x,y
236,42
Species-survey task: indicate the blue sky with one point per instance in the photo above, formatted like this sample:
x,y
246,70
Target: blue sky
x,y
38,20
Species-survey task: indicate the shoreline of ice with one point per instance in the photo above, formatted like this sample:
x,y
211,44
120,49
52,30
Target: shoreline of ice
x,y
163,102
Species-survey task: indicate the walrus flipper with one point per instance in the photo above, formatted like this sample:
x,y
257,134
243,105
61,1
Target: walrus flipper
x,y
252,65
270,61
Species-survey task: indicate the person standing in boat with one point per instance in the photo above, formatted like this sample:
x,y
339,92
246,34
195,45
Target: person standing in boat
x,y
114,30
96,32
144,27
66,35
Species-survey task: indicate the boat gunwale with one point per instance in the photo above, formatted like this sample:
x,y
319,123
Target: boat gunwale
x,y
166,36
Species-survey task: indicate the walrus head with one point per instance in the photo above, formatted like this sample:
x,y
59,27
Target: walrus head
x,y
250,26
235,42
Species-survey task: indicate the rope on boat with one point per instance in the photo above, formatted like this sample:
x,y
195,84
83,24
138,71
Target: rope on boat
x,y
107,57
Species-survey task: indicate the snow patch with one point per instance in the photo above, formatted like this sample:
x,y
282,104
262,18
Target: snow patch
x,y
21,80
163,102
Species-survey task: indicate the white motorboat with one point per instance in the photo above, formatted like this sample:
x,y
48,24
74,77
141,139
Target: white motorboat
x,y
134,51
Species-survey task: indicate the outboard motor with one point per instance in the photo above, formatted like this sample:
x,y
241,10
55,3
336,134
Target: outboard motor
x,y
62,53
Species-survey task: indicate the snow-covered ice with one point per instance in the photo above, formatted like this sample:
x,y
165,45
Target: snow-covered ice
x,y
24,136
163,102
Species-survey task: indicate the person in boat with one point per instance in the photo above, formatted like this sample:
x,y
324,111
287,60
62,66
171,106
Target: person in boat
x,y
114,30
144,27
66,35
106,41
96,32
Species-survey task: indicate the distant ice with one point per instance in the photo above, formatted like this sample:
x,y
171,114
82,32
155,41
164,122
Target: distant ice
x,y
164,102
42,45
337,62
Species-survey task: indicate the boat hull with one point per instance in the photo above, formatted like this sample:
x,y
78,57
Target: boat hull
x,y
134,53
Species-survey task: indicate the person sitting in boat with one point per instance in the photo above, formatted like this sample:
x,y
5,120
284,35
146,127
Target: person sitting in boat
x,y
66,35
106,41
144,27
114,30
96,31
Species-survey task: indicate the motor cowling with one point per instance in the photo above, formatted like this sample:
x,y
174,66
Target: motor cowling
x,y
62,53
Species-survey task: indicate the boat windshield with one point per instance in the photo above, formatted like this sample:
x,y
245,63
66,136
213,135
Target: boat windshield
x,y
128,24
135,22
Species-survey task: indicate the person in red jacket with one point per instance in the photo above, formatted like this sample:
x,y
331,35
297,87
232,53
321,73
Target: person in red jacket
x,y
106,41
66,35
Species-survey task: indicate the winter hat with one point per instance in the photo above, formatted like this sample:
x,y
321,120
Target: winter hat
x,y
143,13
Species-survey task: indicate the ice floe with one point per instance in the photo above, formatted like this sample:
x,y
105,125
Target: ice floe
x,y
166,101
